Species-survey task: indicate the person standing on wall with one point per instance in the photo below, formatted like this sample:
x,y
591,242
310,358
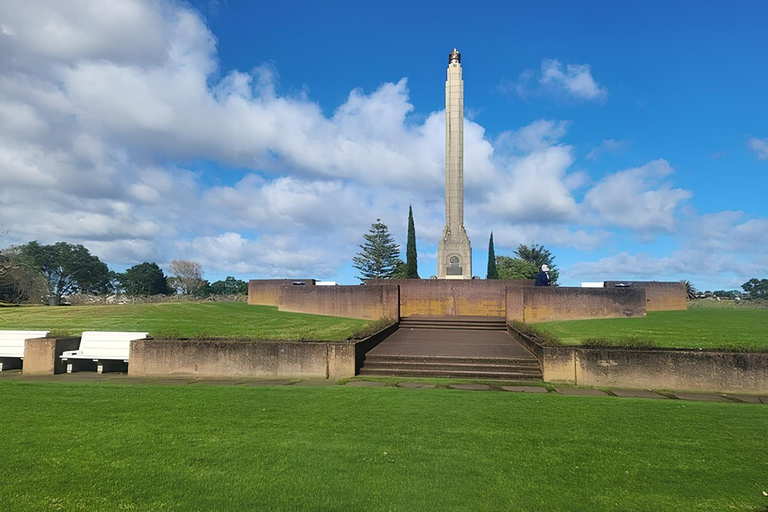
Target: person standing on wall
x,y
542,278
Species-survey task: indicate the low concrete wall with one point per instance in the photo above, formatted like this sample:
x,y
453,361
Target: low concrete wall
x,y
672,369
41,355
222,358
368,302
267,292
446,297
546,304
659,295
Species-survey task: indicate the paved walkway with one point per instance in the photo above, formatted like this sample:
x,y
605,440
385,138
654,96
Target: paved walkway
x,y
451,343
121,378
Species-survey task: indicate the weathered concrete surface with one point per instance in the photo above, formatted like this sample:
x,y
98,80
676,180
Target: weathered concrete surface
x,y
41,355
218,358
436,297
545,304
368,302
691,370
267,292
659,295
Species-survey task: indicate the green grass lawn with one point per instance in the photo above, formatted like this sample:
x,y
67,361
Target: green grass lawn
x,y
744,329
93,446
186,320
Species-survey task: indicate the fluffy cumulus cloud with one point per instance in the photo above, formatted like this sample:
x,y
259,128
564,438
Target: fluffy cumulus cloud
x,y
106,107
570,81
760,147
641,199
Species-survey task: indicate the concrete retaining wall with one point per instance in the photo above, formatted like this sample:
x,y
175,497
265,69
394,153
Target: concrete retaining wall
x,y
368,302
223,358
438,297
545,304
41,355
680,370
267,292
659,295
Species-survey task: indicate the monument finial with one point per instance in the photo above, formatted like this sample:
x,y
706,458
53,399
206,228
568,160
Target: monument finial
x,y
454,56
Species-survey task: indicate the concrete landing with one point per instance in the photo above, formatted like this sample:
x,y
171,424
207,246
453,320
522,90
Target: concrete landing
x,y
451,343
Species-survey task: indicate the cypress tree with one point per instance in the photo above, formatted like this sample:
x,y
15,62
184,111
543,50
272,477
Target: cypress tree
x,y
493,272
411,262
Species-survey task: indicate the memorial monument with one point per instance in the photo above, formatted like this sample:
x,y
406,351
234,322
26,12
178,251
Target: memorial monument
x,y
454,252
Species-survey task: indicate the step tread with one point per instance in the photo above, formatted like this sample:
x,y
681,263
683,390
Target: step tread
x,y
453,374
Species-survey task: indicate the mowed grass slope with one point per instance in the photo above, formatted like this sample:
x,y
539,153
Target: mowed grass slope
x,y
184,320
195,447
743,329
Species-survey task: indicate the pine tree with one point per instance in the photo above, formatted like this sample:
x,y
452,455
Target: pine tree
x,y
412,265
493,272
379,256
539,255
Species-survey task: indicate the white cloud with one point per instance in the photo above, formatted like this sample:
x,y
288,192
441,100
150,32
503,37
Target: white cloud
x,y
638,198
100,103
573,81
760,147
607,146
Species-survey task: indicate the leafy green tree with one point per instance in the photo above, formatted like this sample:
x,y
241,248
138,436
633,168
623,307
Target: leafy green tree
x,y
515,268
144,279
68,269
756,288
493,271
379,256
411,259
229,286
539,255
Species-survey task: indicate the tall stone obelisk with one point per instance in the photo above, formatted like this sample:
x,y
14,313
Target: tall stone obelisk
x,y
454,252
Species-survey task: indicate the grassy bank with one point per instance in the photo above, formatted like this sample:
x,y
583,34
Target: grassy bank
x,y
143,447
186,320
706,328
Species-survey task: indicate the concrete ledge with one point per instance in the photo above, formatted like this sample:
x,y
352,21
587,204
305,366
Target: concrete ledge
x,y
41,355
369,302
673,369
659,295
543,304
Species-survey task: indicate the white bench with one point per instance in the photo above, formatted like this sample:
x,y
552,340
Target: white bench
x,y
12,346
102,347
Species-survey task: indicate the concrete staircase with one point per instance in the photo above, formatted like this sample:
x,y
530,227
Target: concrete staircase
x,y
437,333
454,322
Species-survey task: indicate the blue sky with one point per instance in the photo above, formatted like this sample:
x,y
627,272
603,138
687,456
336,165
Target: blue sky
x,y
262,139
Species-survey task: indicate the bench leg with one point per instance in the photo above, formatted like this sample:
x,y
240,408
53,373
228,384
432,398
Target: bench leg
x,y
9,363
109,365
75,365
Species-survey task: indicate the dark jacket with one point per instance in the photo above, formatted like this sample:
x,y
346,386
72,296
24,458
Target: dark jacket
x,y
542,279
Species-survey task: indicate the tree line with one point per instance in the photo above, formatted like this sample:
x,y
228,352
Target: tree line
x,y
379,257
35,272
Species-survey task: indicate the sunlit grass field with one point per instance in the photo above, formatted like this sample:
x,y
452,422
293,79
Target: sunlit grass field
x,y
740,329
184,320
98,446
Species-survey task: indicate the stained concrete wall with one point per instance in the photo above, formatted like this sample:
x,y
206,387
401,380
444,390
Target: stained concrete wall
x,y
659,295
368,302
41,355
546,304
231,358
267,292
681,370
438,297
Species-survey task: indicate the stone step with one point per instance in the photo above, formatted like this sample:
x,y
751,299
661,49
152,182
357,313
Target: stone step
x,y
427,364
453,374
454,327
452,360
530,372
